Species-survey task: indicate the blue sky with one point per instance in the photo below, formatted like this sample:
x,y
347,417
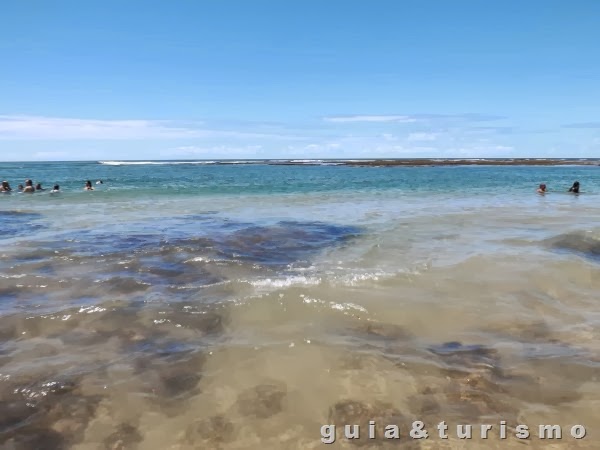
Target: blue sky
x,y
192,79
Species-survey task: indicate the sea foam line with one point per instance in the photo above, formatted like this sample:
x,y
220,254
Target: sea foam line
x,y
153,163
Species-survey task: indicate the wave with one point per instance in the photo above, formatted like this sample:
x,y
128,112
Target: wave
x,y
349,279
242,162
286,282
305,162
153,163
316,162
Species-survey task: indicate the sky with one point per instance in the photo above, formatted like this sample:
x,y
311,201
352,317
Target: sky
x,y
299,79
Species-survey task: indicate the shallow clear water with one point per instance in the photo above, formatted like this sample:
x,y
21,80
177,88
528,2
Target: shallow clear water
x,y
244,306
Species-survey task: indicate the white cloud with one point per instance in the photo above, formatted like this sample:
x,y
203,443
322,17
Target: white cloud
x,y
583,125
217,150
50,128
370,118
324,146
408,151
51,155
481,151
431,136
57,128
316,150
411,118
416,137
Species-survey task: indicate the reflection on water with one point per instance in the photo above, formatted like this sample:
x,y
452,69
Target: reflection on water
x,y
208,331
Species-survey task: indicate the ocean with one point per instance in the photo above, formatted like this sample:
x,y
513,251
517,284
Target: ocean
x,y
185,305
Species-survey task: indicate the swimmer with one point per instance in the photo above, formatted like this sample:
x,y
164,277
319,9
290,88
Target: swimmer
x,y
99,182
542,189
55,189
38,187
28,189
575,188
88,186
5,187
20,188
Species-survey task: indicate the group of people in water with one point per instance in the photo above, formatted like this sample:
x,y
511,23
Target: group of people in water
x,y
574,189
29,188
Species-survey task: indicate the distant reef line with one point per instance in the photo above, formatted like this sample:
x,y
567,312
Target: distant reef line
x,y
426,162
376,162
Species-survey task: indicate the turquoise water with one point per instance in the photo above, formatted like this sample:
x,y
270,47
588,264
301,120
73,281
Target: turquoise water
x,y
234,306
235,179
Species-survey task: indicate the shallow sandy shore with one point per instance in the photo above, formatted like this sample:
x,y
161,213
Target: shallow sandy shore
x,y
245,308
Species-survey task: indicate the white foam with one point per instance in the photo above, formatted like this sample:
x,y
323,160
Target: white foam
x,y
354,279
286,282
334,305
151,163
91,309
343,279
347,306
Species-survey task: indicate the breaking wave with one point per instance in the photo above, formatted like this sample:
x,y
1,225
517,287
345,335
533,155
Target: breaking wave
x,y
152,163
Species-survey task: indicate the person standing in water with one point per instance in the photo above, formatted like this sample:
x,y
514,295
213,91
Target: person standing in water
x,y
28,189
88,186
575,188
542,189
55,189
5,187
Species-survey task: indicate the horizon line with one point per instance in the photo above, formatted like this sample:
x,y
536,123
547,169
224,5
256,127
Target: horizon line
x,y
315,159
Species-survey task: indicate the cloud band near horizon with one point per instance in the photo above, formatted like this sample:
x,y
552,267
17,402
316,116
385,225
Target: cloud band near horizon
x,y
342,136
